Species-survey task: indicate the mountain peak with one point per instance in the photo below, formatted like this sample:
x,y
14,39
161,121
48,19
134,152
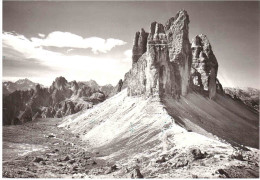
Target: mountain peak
x,y
21,84
25,80
59,83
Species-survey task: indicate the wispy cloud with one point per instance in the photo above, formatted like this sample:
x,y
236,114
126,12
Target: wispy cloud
x,y
69,50
19,48
41,35
69,40
128,55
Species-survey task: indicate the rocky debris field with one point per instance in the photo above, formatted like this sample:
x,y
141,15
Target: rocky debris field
x,y
39,149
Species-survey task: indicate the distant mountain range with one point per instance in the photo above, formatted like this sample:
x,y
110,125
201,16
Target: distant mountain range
x,y
21,84
249,96
25,100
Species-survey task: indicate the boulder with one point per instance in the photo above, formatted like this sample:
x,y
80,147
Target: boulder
x,y
72,161
38,159
162,160
111,169
136,174
197,154
67,158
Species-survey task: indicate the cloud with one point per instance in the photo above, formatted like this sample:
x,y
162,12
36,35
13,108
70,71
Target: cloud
x,y
128,55
69,50
69,40
41,35
52,64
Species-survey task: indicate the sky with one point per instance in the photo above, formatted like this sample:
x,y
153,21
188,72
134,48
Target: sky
x,y
93,40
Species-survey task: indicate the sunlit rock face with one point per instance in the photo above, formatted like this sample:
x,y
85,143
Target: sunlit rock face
x,y
177,31
205,63
164,66
160,74
165,62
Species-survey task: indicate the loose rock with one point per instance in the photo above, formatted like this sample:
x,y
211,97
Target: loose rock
x,y
136,174
38,159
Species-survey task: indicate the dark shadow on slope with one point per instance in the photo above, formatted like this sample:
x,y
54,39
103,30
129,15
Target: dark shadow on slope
x,y
230,120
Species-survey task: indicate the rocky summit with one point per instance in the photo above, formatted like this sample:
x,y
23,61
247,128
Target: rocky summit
x,y
166,63
21,84
204,65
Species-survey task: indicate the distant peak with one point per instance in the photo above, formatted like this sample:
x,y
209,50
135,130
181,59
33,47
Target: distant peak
x,y
60,78
23,80
59,83
91,81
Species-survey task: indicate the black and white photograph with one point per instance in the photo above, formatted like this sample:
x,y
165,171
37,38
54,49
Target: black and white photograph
x,y
130,89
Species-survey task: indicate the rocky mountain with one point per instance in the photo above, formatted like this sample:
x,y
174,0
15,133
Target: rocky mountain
x,y
5,91
91,83
106,89
170,117
21,84
166,63
249,96
62,98
204,65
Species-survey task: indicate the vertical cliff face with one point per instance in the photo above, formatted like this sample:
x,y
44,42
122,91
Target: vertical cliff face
x,y
136,77
160,70
161,59
177,31
205,64
155,56
165,62
139,47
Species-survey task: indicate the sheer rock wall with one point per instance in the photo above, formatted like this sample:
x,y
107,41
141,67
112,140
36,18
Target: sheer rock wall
x,y
205,63
165,62
164,66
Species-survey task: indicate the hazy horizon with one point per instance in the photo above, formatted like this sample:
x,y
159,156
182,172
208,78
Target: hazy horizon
x,y
93,40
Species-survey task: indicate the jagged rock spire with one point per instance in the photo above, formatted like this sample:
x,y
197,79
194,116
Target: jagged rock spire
x,y
205,63
177,31
162,61
139,47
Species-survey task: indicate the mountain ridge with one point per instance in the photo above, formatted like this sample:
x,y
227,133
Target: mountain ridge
x,y
60,99
21,84
248,95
